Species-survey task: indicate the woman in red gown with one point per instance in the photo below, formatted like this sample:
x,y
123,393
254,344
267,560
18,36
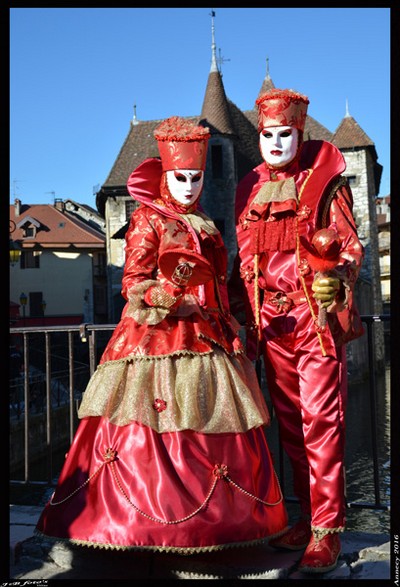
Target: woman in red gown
x,y
170,453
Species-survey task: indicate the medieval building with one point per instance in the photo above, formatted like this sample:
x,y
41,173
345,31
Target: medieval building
x,y
232,152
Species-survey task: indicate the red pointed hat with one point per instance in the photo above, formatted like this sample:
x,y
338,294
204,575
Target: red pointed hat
x,y
282,108
182,144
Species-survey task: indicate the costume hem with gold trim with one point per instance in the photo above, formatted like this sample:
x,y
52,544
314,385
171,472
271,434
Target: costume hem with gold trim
x,y
129,486
166,549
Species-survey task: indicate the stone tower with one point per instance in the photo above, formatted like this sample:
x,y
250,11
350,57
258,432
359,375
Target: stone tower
x,y
364,175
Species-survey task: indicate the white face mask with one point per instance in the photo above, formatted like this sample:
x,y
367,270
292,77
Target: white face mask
x,y
278,144
185,185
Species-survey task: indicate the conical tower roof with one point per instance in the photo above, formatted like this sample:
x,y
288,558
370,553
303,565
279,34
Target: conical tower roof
x,y
313,129
349,134
215,110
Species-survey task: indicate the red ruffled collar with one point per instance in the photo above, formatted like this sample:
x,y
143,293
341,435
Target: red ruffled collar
x,y
144,185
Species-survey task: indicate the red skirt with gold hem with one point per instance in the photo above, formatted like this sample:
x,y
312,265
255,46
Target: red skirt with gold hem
x,y
131,487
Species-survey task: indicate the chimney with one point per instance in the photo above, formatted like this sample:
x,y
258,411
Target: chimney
x,y
59,204
17,204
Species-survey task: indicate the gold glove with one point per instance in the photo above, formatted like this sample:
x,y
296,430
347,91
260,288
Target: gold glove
x,y
325,290
159,296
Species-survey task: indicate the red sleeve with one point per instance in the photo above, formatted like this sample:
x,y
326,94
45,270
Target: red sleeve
x,y
341,213
141,249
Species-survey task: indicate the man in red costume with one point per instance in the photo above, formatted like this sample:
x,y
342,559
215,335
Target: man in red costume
x,y
300,257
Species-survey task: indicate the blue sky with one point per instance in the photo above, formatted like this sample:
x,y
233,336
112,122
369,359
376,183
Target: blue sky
x,y
76,73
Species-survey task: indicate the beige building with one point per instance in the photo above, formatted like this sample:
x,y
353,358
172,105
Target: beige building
x,y
60,275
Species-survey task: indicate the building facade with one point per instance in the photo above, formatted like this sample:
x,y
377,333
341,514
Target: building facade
x,y
60,275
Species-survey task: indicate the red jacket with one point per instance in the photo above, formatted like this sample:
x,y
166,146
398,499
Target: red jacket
x,y
318,196
202,320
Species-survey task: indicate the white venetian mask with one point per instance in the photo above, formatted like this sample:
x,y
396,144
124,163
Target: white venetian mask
x,y
185,185
278,145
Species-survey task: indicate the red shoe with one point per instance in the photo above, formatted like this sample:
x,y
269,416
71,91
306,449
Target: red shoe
x,y
296,538
321,556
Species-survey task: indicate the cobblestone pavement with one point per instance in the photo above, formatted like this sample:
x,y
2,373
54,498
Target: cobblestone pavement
x,y
364,556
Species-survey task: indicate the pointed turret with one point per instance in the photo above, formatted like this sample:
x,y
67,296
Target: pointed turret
x,y
313,129
364,173
215,110
349,134
267,84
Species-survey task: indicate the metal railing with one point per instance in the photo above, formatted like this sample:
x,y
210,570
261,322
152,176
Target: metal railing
x,y
50,370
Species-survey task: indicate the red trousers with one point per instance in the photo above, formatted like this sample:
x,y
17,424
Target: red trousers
x,y
309,396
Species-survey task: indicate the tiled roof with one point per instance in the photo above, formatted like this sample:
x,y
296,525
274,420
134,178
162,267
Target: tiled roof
x,y
314,130
222,117
267,85
215,111
349,134
56,229
247,141
139,144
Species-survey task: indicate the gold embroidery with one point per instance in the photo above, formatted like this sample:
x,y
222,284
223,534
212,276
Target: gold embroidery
x,y
124,391
200,222
320,533
160,297
310,172
300,263
139,310
276,191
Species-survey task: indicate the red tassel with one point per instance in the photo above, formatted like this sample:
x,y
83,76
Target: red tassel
x,y
279,235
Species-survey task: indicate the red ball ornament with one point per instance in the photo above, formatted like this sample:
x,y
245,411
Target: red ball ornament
x,y
327,243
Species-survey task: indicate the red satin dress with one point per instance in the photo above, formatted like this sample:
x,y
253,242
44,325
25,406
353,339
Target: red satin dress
x,y
305,365
170,453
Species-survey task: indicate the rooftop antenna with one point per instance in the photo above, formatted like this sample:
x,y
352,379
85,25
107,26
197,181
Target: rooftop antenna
x,y
54,196
15,187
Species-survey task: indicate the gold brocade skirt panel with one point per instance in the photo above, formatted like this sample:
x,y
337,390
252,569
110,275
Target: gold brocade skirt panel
x,y
210,393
